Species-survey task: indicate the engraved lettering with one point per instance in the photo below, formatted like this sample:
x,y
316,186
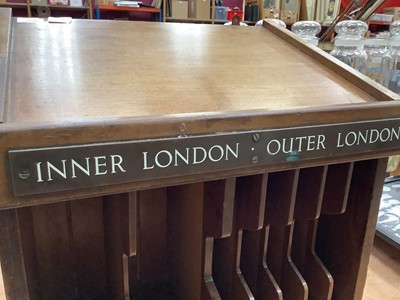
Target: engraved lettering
x,y
296,144
362,137
300,139
195,150
381,136
234,153
351,139
311,143
62,173
169,160
284,150
75,164
62,168
190,156
339,144
73,168
145,166
373,139
39,172
185,159
395,133
321,141
97,165
221,153
116,161
278,147
368,136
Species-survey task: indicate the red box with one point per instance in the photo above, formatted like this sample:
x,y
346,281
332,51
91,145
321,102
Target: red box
x,y
233,12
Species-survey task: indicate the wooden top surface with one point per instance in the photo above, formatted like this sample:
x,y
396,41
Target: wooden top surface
x,y
93,69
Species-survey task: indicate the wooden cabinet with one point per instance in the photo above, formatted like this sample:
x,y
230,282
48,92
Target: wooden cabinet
x,y
145,159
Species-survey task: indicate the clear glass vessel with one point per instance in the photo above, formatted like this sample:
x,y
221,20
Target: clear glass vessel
x,y
349,47
307,30
378,60
351,29
351,52
394,53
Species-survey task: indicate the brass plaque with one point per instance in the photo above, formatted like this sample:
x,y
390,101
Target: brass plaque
x,y
43,170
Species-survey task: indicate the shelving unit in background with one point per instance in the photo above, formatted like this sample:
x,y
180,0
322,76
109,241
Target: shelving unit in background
x,y
28,9
167,17
170,5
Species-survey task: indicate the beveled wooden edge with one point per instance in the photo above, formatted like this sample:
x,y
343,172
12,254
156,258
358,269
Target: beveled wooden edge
x,y
5,44
361,81
202,123
28,135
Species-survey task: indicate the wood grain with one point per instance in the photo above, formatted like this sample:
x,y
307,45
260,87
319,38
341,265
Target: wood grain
x,y
54,251
198,57
117,244
185,239
337,187
248,215
165,77
29,250
87,246
279,213
281,197
281,265
217,223
319,280
310,191
219,198
11,257
5,44
382,277
153,233
135,98
309,196
267,287
5,27
344,241
208,289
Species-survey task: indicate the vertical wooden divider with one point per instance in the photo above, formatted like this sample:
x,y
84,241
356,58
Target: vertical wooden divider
x,y
219,198
267,287
78,247
249,211
252,239
307,210
120,227
249,214
87,244
310,190
218,218
185,239
28,243
337,187
54,250
11,257
344,241
317,276
150,265
249,261
208,289
279,211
